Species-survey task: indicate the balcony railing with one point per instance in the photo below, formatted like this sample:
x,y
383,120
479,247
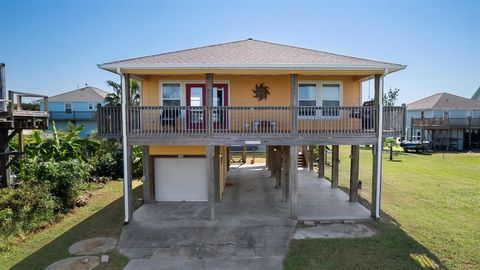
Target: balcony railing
x,y
73,115
255,122
445,123
109,121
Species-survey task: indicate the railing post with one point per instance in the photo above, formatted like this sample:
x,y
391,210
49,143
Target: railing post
x,y
3,87
404,122
209,103
469,132
294,103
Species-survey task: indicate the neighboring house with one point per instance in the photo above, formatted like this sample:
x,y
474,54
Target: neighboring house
x,y
78,107
476,95
195,103
448,121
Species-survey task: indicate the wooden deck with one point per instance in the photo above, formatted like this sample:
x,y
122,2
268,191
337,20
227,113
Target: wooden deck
x,y
446,123
13,120
266,125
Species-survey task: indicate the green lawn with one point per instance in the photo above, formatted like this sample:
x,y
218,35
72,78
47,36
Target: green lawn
x,y
102,216
431,206
432,220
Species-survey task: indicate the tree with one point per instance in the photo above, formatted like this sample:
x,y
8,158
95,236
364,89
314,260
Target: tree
x,y
390,143
390,97
114,99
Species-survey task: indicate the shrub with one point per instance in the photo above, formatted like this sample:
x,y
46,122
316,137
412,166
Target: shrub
x,y
109,161
137,161
108,165
24,210
65,179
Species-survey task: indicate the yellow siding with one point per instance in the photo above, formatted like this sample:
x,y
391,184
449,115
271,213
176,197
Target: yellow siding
x,y
240,90
177,150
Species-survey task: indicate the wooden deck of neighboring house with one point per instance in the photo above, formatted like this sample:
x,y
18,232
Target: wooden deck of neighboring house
x,y
13,120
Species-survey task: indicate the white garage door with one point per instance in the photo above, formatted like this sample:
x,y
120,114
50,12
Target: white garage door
x,y
181,179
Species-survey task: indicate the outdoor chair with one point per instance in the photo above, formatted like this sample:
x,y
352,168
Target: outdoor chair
x,y
169,117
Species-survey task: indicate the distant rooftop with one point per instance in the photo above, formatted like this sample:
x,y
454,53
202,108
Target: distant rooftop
x,y
444,101
476,95
87,93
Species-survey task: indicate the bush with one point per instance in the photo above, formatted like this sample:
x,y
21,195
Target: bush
x,y
64,179
108,165
24,210
109,161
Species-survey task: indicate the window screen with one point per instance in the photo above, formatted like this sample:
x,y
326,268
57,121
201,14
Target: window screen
x,y
330,99
307,97
171,94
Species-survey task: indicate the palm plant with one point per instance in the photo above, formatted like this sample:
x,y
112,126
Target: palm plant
x,y
114,99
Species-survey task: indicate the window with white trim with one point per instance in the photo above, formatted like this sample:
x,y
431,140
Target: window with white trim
x,y
307,97
90,106
171,94
331,95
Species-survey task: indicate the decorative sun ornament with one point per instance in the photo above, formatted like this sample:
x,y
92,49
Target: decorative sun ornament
x,y
261,92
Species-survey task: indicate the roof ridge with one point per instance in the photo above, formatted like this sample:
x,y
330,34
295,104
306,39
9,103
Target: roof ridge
x,y
96,89
439,98
476,94
79,89
177,51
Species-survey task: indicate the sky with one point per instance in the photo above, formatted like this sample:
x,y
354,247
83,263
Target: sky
x,y
51,46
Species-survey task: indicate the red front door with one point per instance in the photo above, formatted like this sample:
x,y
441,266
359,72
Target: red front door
x,y
195,96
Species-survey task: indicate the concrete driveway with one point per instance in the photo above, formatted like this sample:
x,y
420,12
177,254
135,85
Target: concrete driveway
x,y
251,231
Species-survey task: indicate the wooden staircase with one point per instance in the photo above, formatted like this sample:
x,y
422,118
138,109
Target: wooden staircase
x,y
301,160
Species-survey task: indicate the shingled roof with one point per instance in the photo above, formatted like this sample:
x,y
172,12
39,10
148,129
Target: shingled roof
x,y
476,95
444,101
251,53
87,93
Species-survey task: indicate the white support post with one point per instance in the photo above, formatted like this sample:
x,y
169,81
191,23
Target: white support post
x,y
127,188
379,147
377,174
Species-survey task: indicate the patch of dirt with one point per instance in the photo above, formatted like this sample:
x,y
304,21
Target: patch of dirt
x,y
83,199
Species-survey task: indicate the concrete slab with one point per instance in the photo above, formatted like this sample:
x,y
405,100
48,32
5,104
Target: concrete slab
x,y
273,263
251,231
317,201
77,263
104,258
92,246
334,231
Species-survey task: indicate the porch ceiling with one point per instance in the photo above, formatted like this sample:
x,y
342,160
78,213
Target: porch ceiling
x,y
139,72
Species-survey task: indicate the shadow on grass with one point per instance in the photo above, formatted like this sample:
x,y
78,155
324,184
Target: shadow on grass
x,y
108,221
394,160
391,248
